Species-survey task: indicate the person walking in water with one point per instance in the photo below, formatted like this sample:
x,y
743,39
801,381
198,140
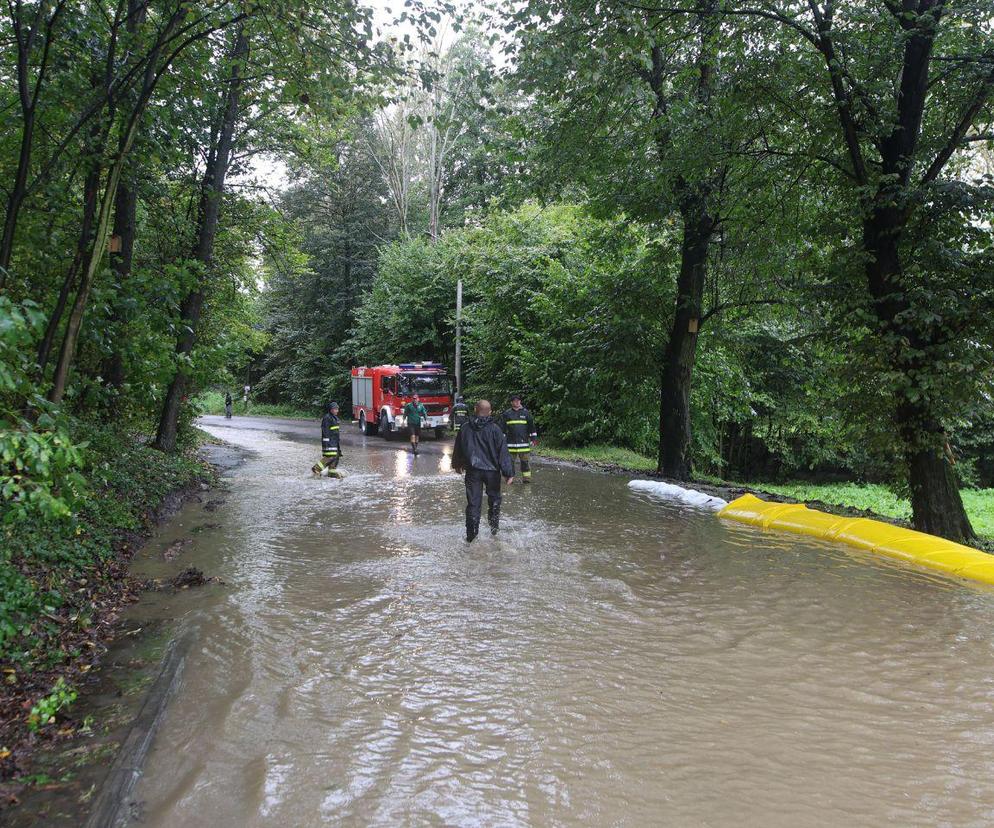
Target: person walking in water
x,y
227,404
331,445
519,428
459,415
415,412
481,455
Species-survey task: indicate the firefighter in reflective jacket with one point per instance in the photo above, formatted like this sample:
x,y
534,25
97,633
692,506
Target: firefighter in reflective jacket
x,y
519,428
331,446
459,415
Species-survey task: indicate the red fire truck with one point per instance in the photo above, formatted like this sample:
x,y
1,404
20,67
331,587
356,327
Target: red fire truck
x,y
380,393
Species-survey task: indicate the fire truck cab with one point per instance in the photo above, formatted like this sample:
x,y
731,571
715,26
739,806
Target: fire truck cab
x,y
380,393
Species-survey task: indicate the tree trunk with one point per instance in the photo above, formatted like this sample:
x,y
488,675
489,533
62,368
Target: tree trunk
x,y
95,255
936,505
208,212
674,458
935,499
29,111
125,206
91,188
168,430
121,263
17,194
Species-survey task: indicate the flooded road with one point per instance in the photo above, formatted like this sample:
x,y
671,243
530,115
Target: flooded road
x,y
607,660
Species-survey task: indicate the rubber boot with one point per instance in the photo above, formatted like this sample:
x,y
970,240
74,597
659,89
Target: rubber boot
x,y
493,518
471,532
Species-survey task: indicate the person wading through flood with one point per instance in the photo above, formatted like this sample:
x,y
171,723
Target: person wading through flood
x,y
459,415
519,428
481,454
415,413
331,446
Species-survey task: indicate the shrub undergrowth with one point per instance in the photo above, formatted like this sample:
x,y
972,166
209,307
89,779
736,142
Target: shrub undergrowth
x,y
60,573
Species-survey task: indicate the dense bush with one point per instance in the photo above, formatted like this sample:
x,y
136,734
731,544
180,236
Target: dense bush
x,y
564,308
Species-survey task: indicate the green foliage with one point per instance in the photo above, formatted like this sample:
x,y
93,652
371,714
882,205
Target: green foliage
x,y
318,275
43,712
558,306
38,460
408,312
563,309
52,571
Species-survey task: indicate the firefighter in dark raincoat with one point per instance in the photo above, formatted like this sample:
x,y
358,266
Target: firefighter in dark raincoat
x,y
331,446
519,428
459,415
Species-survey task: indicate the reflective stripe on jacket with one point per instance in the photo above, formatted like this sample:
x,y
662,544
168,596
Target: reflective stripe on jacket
x,y
459,415
330,442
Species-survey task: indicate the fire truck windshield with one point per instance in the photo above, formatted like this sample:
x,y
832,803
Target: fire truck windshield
x,y
427,385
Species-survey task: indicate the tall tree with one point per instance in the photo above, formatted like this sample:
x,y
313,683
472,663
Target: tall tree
x,y
148,54
393,146
262,107
219,156
638,105
422,135
910,86
34,30
341,215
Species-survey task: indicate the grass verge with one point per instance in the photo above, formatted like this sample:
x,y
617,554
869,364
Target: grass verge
x,y
869,497
599,455
212,402
979,503
64,582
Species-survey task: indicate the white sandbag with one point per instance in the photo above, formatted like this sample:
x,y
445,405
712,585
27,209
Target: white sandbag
x,y
668,491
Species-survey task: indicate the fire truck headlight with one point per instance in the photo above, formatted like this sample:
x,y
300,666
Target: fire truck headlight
x,y
445,410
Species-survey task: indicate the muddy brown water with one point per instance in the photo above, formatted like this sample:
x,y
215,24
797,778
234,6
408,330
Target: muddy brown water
x,y
607,660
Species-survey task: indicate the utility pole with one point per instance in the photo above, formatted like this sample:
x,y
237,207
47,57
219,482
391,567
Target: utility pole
x,y
459,337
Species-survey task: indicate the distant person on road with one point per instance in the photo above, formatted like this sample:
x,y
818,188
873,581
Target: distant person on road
x,y
415,413
331,446
227,404
481,454
519,428
459,415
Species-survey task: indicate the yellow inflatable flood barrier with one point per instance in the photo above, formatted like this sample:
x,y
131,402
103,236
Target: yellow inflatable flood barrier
x,y
875,536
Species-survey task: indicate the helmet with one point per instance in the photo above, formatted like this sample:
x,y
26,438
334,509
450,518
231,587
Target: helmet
x,y
332,405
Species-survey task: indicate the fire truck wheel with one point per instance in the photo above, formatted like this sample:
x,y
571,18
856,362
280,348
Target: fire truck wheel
x,y
366,427
440,433
386,431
